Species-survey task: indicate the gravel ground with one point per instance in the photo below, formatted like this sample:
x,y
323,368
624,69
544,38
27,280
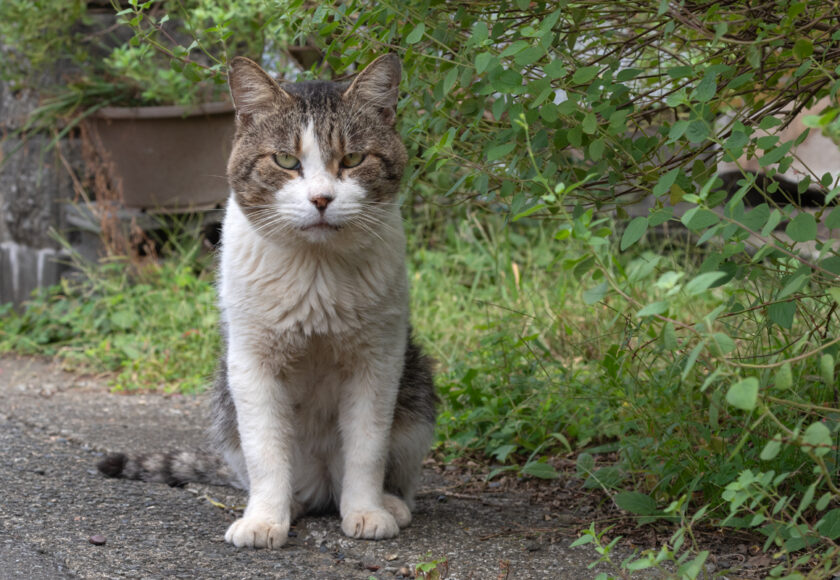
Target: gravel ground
x,y
57,510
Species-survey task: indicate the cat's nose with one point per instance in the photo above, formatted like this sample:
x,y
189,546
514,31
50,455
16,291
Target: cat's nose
x,y
321,202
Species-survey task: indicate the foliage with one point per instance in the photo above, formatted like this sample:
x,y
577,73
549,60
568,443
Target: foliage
x,y
81,55
710,361
150,328
432,569
680,557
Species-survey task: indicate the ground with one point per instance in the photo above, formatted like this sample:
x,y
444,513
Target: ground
x,y
60,518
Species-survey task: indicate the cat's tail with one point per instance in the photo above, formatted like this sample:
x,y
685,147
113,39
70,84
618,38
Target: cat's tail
x,y
175,468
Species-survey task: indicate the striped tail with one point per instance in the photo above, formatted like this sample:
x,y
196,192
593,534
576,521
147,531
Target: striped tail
x,y
174,468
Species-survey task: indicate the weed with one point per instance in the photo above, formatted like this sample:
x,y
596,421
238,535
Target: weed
x,y
432,569
152,327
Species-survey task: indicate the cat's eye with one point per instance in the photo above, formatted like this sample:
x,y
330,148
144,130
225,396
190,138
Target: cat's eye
x,y
352,159
286,161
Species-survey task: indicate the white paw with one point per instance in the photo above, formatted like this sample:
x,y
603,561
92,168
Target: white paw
x,y
374,524
397,508
257,533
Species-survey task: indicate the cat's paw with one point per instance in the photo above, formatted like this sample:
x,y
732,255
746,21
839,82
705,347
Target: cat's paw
x,y
374,524
397,508
257,533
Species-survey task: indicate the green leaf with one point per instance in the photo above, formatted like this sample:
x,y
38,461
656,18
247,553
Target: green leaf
x,y
677,130
500,151
823,502
769,122
772,448
697,131
531,210
692,358
609,477
829,525
627,74
529,56
794,285
596,149
665,182
802,228
653,309
803,48
589,124
817,437
736,142
832,221
585,74
582,541
703,282
540,470
515,47
784,377
772,222
483,61
554,69
706,89
596,294
743,394
634,232
775,155
635,503
782,313
480,33
827,369
724,343
449,80
416,34
585,464
693,568
698,218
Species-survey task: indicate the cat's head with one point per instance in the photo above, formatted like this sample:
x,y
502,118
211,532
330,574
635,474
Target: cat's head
x,y
316,160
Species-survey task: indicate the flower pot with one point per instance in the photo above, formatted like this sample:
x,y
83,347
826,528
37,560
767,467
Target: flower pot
x,y
168,159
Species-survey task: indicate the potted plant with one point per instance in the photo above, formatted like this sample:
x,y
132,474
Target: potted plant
x,y
136,78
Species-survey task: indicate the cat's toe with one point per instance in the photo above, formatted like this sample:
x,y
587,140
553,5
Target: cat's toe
x,y
375,524
257,533
397,508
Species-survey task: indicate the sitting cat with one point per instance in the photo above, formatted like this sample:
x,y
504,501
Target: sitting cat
x,y
322,400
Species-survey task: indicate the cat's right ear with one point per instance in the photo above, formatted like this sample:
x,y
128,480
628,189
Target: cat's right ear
x,y
252,90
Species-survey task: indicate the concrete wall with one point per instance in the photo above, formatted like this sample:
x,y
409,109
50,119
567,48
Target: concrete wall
x,y
34,184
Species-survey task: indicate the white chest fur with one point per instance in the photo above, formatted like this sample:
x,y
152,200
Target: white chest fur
x,y
314,289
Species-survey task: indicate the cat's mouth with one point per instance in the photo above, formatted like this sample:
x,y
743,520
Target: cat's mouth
x,y
322,225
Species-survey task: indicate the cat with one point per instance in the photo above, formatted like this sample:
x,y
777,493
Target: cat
x,y
322,400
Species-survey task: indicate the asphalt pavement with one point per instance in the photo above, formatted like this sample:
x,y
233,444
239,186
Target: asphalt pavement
x,y
59,518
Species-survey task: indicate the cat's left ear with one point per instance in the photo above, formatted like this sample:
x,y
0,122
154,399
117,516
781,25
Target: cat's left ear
x,y
253,91
379,85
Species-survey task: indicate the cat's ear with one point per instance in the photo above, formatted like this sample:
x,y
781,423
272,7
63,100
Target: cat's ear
x,y
252,90
378,85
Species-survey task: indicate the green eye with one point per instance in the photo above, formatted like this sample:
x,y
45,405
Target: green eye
x,y
352,159
286,161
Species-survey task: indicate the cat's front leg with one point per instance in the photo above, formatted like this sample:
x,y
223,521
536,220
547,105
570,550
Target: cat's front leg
x,y
264,421
366,414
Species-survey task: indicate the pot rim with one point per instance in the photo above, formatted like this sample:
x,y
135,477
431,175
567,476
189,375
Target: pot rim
x,y
165,111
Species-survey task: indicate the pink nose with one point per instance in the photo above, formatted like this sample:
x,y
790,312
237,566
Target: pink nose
x,y
321,202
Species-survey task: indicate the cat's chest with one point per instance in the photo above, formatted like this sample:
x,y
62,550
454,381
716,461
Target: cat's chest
x,y
308,290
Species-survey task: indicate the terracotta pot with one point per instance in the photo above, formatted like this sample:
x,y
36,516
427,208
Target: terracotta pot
x,y
169,159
